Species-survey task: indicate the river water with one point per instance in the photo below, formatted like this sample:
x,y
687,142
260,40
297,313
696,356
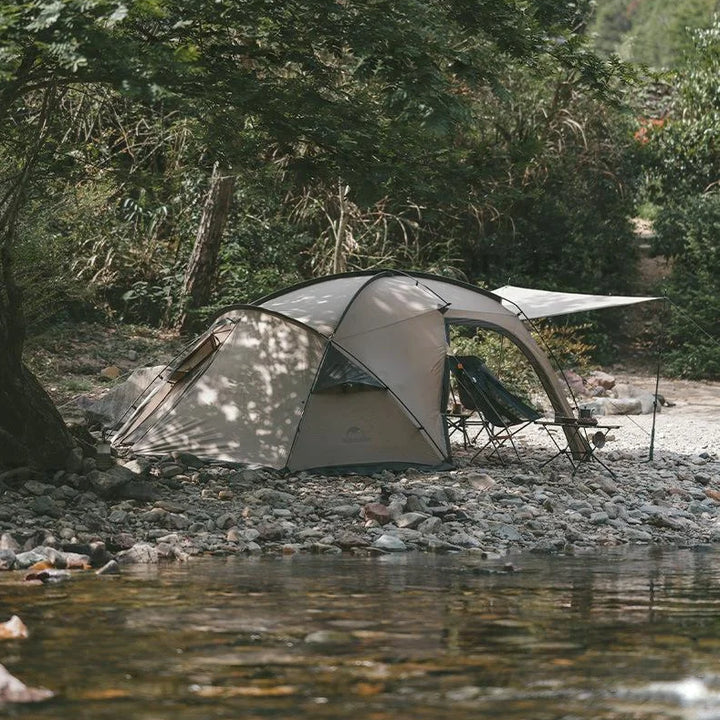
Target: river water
x,y
616,634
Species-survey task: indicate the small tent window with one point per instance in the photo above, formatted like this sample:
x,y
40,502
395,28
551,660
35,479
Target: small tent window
x,y
199,354
341,374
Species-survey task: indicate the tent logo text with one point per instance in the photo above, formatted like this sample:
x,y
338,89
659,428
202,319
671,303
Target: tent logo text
x,y
355,435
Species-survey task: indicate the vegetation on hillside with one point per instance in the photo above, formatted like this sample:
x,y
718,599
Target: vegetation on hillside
x,y
651,32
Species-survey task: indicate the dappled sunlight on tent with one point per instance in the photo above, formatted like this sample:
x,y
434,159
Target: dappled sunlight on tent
x,y
344,371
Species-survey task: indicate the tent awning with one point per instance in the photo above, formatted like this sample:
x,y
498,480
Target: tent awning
x,y
531,304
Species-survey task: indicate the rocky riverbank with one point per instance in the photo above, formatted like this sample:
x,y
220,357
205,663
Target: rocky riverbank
x,y
103,508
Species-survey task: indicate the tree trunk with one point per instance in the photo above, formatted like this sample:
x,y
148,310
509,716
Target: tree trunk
x,y
32,432
200,273
340,250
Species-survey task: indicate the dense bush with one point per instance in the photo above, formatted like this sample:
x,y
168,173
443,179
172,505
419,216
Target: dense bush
x,y
684,159
690,234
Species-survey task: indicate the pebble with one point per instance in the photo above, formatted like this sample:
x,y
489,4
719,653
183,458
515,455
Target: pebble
x,y
143,510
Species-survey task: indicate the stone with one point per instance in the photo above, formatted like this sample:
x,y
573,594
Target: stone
x,y
45,506
410,520
481,482
345,511
8,542
430,526
507,532
35,487
112,372
7,560
108,484
346,540
378,512
139,554
13,690
329,637
234,535
622,406
13,629
270,531
389,543
117,517
138,466
49,576
602,379
171,470
416,504
274,498
141,490
27,559
19,476
77,561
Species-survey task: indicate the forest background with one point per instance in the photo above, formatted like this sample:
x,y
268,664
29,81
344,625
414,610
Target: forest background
x,y
163,159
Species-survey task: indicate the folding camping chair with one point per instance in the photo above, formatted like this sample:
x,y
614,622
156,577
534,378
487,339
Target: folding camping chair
x,y
502,415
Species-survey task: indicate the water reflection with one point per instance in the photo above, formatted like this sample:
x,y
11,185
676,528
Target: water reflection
x,y
631,634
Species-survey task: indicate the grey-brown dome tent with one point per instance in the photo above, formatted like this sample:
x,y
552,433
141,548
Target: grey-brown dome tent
x,y
346,371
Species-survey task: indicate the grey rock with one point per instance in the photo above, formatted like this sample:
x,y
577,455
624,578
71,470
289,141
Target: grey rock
x,y
329,637
141,490
171,470
416,504
274,498
117,517
138,466
19,476
389,543
430,526
35,487
24,560
507,532
7,560
108,484
139,554
410,520
345,511
45,506
8,542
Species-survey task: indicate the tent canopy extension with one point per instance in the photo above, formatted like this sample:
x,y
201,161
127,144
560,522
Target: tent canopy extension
x,y
531,304
345,371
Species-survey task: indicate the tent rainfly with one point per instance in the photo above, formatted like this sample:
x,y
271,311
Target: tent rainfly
x,y
347,371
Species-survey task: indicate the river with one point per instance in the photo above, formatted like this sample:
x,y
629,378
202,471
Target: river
x,y
631,633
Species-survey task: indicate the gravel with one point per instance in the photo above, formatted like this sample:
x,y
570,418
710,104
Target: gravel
x,y
104,510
